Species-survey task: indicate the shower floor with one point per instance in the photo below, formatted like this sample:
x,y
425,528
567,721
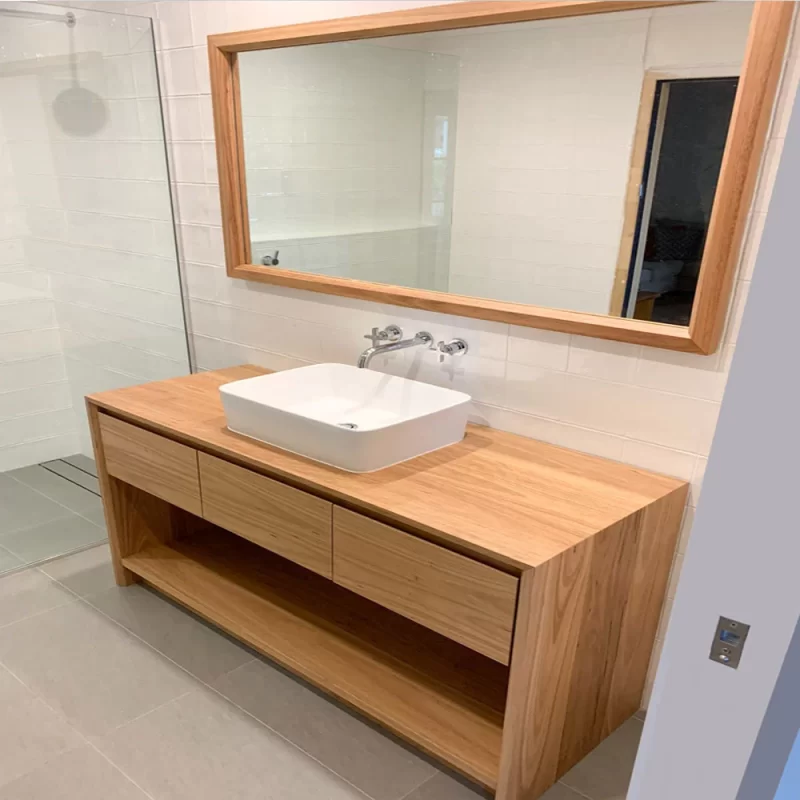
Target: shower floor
x,y
49,510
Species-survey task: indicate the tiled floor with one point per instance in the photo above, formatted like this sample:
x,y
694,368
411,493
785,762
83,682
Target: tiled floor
x,y
48,510
117,693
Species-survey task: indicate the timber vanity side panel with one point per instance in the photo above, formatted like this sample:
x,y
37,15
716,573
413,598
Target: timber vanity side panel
x,y
509,674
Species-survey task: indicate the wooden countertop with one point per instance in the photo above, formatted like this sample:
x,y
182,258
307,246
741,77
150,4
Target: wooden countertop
x,y
512,500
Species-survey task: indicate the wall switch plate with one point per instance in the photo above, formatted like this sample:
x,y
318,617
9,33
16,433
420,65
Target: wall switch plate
x,y
729,639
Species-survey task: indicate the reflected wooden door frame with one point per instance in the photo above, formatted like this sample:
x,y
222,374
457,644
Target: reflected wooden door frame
x,y
750,120
639,159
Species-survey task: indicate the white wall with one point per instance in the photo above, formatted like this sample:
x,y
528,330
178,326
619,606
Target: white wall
x,y
743,558
543,160
96,207
36,418
652,408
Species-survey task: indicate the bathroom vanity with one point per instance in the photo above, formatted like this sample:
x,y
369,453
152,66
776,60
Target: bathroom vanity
x,y
494,603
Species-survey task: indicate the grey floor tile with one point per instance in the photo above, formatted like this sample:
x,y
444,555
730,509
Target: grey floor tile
x,y
30,734
8,561
82,462
84,573
78,476
52,538
201,747
369,759
605,773
177,634
74,497
88,668
97,516
80,774
23,507
27,593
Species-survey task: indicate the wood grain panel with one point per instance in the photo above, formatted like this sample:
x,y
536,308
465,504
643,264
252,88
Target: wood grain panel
x,y
509,500
292,523
444,698
224,77
741,161
157,465
545,642
456,596
118,543
659,529
586,624
134,519
420,20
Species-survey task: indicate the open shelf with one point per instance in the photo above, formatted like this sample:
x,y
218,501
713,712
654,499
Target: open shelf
x,y
443,697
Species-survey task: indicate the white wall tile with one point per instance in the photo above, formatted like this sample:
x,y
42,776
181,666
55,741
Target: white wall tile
x,y
596,358
538,348
180,75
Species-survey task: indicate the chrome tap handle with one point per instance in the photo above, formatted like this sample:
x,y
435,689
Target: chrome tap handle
x,y
391,333
454,347
271,261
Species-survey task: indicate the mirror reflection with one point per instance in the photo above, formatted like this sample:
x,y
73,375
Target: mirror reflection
x,y
567,163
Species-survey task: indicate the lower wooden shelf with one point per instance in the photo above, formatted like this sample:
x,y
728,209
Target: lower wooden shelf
x,y
442,697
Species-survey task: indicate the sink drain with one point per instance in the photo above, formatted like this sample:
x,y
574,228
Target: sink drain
x,y
349,425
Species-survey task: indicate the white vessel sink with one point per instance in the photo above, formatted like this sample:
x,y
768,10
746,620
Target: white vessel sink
x,y
354,419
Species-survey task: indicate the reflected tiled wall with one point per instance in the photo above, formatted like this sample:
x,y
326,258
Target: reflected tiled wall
x,y
339,154
543,162
653,408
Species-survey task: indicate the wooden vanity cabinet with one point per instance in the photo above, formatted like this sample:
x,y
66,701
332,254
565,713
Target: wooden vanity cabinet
x,y
494,603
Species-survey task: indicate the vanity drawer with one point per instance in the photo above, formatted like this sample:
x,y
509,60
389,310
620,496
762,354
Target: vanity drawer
x,y
282,519
151,462
452,594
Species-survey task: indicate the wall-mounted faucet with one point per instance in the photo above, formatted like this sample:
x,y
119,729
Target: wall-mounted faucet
x,y
392,336
454,347
271,260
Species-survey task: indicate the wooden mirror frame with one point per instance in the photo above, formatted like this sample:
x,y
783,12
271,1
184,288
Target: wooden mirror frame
x,y
750,120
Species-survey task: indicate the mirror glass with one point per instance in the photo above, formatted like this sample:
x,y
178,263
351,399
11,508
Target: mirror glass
x,y
566,163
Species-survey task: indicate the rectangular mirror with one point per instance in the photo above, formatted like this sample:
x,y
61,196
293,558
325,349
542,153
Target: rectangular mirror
x,y
586,173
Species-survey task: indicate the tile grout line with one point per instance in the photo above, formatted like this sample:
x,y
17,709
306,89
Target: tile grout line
x,y
47,496
72,727
573,790
420,785
68,480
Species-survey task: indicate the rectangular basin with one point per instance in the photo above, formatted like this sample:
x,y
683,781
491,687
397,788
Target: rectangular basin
x,y
354,419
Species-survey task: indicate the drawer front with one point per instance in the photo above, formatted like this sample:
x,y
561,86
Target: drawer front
x,y
462,599
152,463
287,521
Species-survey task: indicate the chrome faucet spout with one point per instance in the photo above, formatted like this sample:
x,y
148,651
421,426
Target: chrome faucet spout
x,y
423,338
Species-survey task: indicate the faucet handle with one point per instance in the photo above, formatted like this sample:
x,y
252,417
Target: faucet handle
x,y
391,333
452,348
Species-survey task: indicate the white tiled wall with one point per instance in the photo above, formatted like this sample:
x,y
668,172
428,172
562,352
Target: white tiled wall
x,y
36,419
652,408
95,206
